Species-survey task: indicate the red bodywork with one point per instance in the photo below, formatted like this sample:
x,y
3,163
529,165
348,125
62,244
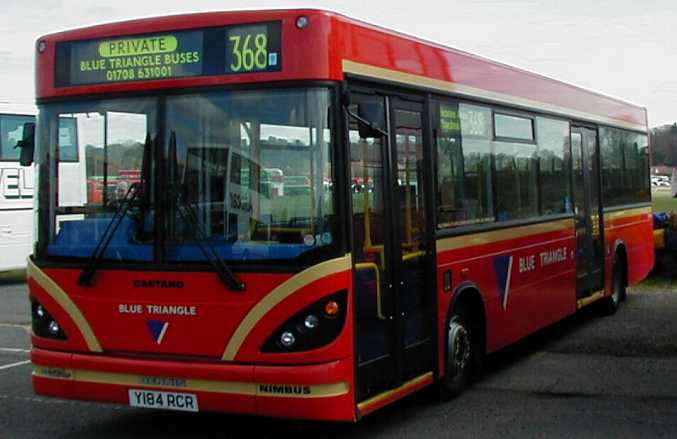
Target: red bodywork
x,y
634,233
193,347
536,296
318,51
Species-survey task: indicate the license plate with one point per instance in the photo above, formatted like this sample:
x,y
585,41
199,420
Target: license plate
x,y
154,399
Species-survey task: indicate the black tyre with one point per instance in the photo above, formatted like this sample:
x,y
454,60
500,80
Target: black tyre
x,y
460,355
610,304
623,287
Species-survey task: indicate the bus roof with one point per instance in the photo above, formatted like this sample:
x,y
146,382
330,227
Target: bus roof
x,y
342,46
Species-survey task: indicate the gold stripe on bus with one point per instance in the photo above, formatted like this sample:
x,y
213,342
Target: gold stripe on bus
x,y
60,296
280,293
493,236
365,405
580,303
620,214
302,390
275,390
452,87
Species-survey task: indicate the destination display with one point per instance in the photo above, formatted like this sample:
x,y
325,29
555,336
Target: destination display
x,y
234,49
475,122
449,121
252,48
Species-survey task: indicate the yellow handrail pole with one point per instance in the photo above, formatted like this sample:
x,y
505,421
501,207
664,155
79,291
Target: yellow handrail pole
x,y
371,266
366,207
413,255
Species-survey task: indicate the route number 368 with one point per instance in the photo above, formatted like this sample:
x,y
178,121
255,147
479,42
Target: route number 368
x,y
248,55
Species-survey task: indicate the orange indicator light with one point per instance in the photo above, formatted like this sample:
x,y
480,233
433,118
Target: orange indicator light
x,y
331,308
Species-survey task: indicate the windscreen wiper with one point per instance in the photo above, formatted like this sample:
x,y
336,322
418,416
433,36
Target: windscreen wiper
x,y
227,277
138,193
188,215
92,264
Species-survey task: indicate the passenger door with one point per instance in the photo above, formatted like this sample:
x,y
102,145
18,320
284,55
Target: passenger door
x,y
391,245
412,249
587,212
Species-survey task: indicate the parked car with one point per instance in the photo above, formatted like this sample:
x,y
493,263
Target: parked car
x,y
660,181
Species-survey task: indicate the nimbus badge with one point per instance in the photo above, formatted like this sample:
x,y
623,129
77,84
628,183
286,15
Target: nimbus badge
x,y
284,389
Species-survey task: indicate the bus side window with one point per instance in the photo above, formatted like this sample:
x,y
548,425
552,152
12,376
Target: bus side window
x,y
464,179
553,155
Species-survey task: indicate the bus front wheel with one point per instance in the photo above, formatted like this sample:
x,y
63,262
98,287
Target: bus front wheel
x,y
610,304
459,355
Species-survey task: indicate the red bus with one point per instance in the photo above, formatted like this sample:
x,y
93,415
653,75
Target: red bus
x,y
494,202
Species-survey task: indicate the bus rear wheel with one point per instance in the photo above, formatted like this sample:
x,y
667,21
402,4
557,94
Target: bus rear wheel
x,y
460,351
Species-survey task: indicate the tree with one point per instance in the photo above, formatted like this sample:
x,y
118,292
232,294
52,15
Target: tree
x,y
664,145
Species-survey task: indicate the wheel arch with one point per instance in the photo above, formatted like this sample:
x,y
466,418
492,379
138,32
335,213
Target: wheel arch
x,y
470,296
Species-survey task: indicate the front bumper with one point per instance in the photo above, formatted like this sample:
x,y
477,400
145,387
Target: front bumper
x,y
319,391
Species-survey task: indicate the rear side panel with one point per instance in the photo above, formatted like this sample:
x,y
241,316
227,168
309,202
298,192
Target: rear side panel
x,y
630,228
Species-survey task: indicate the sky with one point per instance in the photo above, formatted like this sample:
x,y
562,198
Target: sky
x,y
622,48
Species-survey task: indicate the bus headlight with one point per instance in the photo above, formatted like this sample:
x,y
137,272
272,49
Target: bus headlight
x,y
311,328
53,328
43,324
311,322
287,339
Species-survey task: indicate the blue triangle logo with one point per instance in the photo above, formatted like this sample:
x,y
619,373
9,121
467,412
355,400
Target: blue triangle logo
x,y
157,329
503,269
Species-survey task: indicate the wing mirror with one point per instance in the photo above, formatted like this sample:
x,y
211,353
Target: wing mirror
x,y
371,119
27,144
